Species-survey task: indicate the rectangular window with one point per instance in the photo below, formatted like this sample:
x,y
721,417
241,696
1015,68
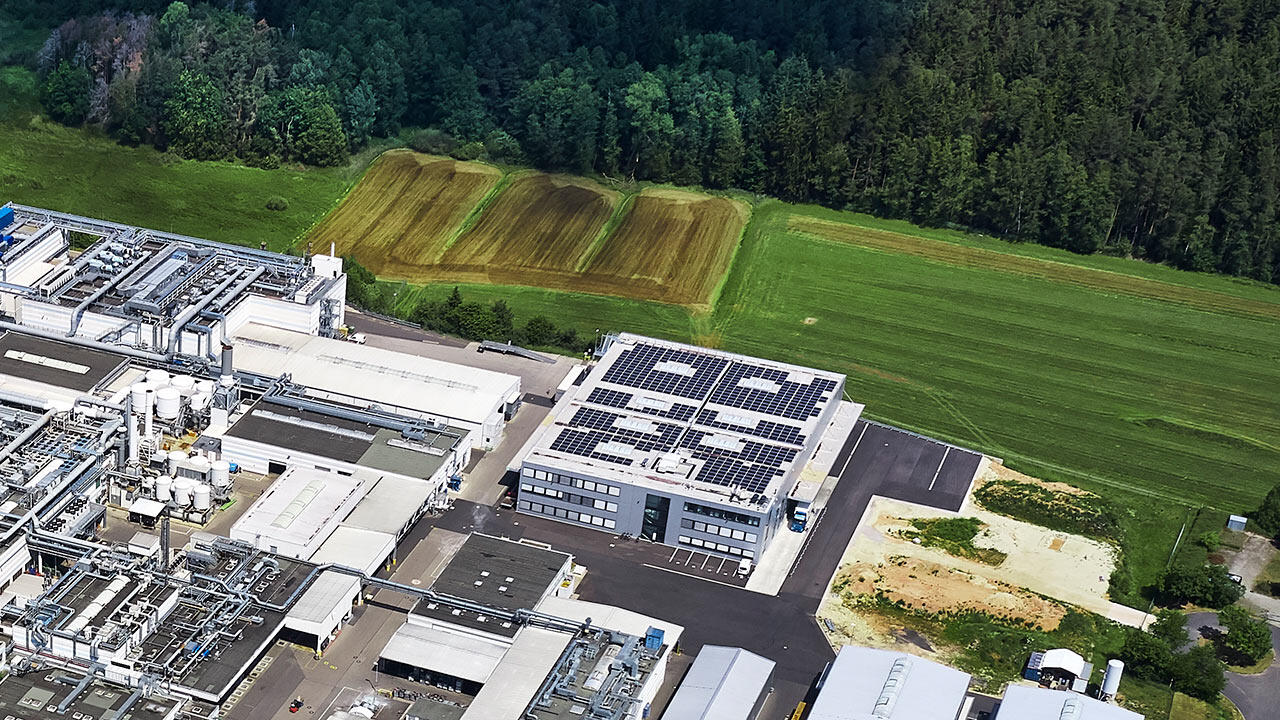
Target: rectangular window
x,y
752,537
614,490
524,504
588,485
611,524
739,535
540,474
598,504
527,472
611,507
725,532
526,487
562,513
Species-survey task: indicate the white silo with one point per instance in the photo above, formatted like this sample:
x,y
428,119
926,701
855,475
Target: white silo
x,y
184,384
138,396
1111,680
158,378
176,459
168,403
182,488
200,496
220,477
204,386
200,401
164,488
200,466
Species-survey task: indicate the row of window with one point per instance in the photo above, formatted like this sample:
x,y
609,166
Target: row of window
x,y
570,497
722,514
584,518
589,485
720,530
718,547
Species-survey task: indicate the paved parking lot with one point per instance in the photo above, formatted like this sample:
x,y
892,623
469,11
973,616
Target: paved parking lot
x,y
704,566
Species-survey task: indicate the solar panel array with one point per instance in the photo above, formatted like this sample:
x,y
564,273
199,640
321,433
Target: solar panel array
x,y
635,368
767,429
732,459
795,401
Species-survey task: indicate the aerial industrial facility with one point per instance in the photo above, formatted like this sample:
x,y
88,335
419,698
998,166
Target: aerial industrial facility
x,y
197,465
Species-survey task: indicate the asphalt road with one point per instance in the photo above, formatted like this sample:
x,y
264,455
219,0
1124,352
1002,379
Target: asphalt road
x,y
1257,696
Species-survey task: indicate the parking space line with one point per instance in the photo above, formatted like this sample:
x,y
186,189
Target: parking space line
x,y
699,577
939,470
721,565
705,559
673,554
854,450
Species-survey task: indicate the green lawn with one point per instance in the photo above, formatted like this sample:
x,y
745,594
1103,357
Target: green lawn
x,y
48,165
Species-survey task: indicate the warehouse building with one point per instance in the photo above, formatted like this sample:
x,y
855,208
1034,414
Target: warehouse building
x,y
1036,703
867,682
679,444
724,683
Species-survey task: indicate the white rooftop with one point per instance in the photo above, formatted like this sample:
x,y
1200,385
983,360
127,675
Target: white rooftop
x,y
723,684
870,684
439,647
356,548
399,380
1021,702
662,414
329,593
300,510
519,675
1063,659
390,505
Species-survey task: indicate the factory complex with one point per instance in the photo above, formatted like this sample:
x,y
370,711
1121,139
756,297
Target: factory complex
x,y
204,478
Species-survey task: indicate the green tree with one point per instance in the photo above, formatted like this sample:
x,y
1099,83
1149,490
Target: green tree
x,y
1208,586
1170,627
651,127
66,93
196,118
1267,516
1146,655
359,109
1246,634
1198,673
540,331
557,115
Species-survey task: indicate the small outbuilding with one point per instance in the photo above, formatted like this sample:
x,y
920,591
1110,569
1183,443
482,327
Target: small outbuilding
x,y
724,683
1237,523
1060,669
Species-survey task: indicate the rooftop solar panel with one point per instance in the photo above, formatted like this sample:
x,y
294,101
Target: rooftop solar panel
x,y
742,387
639,367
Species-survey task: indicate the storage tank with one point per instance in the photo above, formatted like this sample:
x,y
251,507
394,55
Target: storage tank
x,y
200,401
138,396
220,476
164,488
168,403
184,384
200,496
204,386
200,466
176,459
595,680
157,377
182,488
1111,680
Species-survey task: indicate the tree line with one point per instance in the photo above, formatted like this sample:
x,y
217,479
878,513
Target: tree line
x,y
1143,128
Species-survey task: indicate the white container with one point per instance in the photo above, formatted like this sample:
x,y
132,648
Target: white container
x,y
200,497
204,386
176,459
138,396
182,488
184,384
1111,680
220,476
158,378
200,401
164,488
168,403
200,466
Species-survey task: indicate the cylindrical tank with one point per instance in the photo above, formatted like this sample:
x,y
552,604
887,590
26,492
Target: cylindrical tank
x,y
176,458
138,396
184,384
164,488
168,403
200,401
182,488
200,466
1111,680
204,386
220,476
200,496
600,673
158,377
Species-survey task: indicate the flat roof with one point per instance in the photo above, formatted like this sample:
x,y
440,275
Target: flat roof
x,y
73,367
355,547
724,683
395,379
300,510
676,417
498,573
436,648
325,594
1021,702
390,505
531,658
28,697
911,688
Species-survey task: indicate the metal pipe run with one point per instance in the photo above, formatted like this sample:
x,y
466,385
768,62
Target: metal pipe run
x,y
175,329
84,342
97,294
26,435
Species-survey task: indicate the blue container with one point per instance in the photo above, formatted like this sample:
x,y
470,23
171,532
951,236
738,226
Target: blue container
x,y
232,467
6,217
653,639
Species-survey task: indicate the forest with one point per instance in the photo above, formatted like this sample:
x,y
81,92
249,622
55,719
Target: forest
x,y
1140,128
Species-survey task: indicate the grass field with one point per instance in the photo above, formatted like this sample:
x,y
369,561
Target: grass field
x,y
672,246
48,165
407,207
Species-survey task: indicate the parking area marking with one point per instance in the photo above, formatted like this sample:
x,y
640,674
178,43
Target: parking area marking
x,y
939,470
696,577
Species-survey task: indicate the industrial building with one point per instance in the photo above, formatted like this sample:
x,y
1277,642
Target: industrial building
x,y
1036,703
680,445
866,682
724,683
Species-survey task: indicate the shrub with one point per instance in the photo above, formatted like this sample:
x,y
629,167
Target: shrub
x,y
469,151
1206,585
1198,673
1247,636
1078,513
277,203
1267,516
433,141
1170,627
501,147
